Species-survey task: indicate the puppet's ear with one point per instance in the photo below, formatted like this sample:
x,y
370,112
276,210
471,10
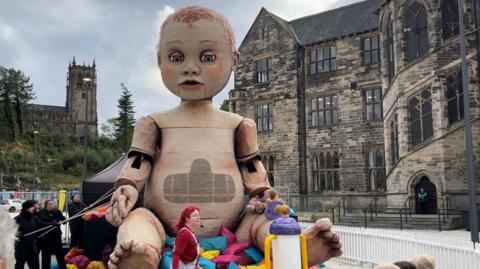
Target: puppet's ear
x,y
236,60
158,58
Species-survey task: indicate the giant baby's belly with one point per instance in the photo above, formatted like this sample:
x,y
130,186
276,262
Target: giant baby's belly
x,y
196,166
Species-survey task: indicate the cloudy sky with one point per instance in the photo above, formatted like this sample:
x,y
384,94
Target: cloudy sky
x,y
40,37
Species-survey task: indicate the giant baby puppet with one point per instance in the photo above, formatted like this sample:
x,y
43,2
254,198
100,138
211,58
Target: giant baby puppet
x,y
195,153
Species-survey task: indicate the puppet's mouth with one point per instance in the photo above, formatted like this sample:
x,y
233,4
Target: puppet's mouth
x,y
191,85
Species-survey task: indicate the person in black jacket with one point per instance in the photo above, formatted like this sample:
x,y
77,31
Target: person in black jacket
x,y
76,225
51,243
25,249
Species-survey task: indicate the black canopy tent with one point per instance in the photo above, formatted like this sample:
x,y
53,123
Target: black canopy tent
x,y
95,186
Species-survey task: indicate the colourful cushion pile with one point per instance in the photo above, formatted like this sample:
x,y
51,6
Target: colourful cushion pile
x,y
76,260
220,252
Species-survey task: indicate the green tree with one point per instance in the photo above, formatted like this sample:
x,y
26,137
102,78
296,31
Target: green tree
x,y
108,128
125,120
15,92
225,104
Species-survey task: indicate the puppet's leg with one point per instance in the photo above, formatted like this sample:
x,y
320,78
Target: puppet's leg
x,y
139,241
322,243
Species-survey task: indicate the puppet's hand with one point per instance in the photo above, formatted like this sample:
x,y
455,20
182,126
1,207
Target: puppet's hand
x,y
123,200
255,205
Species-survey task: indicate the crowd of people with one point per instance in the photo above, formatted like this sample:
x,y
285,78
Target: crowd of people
x,y
417,262
30,242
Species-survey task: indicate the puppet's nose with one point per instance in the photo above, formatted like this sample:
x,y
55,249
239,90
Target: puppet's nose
x,y
190,68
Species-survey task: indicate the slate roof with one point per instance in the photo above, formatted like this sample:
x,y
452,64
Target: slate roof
x,y
336,23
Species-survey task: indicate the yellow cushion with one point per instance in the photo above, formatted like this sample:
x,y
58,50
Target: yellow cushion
x,y
71,266
210,254
95,265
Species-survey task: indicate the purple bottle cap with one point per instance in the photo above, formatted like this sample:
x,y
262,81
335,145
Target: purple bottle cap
x,y
270,210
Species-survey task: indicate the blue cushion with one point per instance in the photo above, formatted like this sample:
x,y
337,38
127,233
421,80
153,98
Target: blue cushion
x,y
233,265
170,241
206,263
214,243
166,260
256,255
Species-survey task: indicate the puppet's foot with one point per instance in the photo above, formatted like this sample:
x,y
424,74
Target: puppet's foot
x,y
133,254
322,243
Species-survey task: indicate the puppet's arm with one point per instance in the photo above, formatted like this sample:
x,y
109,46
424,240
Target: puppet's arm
x,y
136,170
253,172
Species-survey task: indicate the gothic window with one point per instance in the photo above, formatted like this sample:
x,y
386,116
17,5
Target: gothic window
x,y
420,117
83,95
394,153
455,98
323,60
373,104
269,163
376,170
263,33
264,70
324,111
371,50
450,25
416,31
264,116
390,51
325,167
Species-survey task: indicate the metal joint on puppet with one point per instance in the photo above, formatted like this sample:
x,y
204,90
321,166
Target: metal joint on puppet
x,y
248,161
140,156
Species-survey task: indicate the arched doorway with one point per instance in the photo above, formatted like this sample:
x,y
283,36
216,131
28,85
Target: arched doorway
x,y
431,190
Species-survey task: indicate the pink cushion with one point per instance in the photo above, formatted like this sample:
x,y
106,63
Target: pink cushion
x,y
230,236
235,248
80,261
226,259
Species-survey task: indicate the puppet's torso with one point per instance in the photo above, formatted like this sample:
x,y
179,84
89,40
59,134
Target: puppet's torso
x,y
196,165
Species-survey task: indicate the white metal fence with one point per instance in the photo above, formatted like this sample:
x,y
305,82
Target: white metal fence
x,y
365,245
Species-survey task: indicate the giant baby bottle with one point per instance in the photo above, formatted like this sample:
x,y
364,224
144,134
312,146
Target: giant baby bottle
x,y
288,245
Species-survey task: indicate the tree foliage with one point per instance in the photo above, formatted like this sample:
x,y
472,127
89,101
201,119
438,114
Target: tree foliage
x,y
225,105
125,121
15,92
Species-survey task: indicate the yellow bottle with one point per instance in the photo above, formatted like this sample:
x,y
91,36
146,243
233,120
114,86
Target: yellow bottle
x,y
286,242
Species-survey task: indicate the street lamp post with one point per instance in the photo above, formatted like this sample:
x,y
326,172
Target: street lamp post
x,y
472,187
35,163
1,170
85,130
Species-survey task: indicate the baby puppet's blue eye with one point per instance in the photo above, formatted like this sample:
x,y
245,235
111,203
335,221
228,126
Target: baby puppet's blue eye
x,y
208,57
175,57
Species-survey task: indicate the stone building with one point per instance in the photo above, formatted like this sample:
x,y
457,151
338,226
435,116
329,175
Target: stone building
x,y
329,92
80,106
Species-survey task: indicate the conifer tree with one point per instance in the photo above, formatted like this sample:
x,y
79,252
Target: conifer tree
x,y
125,121
15,92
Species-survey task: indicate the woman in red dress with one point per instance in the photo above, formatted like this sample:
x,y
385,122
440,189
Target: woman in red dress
x,y
186,250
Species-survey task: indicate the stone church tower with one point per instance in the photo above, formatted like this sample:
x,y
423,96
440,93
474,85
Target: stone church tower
x,y
82,94
80,107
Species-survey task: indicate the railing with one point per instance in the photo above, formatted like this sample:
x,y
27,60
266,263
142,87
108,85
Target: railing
x,y
370,209
340,205
442,211
407,209
372,246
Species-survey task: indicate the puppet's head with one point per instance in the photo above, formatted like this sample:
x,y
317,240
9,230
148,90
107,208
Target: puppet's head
x,y
196,53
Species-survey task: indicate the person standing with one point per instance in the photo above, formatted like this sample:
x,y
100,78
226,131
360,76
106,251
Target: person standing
x,y
422,200
186,249
52,241
76,225
25,247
